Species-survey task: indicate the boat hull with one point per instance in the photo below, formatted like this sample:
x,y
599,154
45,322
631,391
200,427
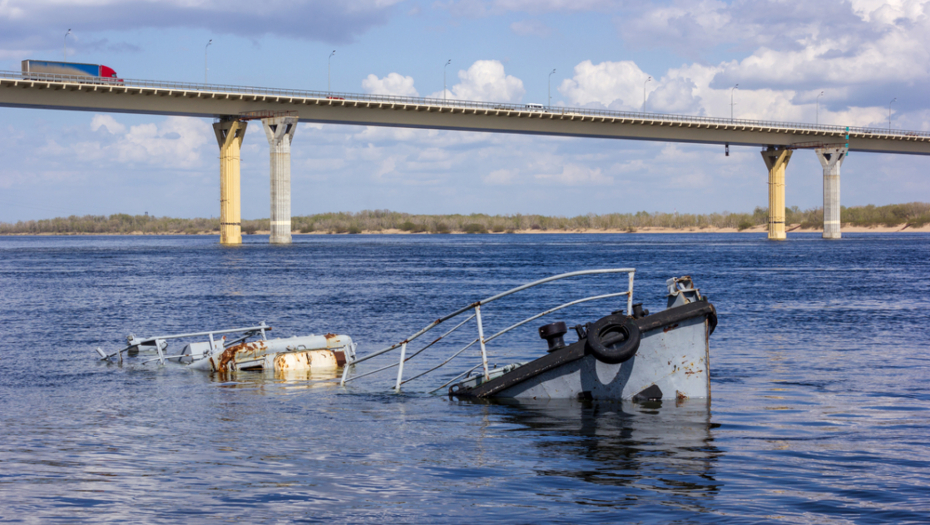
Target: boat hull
x,y
672,362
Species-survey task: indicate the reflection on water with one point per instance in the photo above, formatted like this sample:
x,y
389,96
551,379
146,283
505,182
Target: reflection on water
x,y
663,447
290,379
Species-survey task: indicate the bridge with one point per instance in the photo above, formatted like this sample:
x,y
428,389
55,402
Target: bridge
x,y
280,110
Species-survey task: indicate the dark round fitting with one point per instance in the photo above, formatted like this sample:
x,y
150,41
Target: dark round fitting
x,y
553,333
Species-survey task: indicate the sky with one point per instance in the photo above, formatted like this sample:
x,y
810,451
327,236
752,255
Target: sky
x,y
861,54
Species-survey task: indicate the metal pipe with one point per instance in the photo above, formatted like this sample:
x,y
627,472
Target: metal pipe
x,y
392,365
551,310
484,353
400,367
444,363
490,299
210,333
629,298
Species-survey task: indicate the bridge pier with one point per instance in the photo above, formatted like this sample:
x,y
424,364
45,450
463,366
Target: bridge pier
x,y
229,134
776,160
280,133
831,158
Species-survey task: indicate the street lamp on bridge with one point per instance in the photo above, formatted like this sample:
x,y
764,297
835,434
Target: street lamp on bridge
x,y
889,112
205,68
550,88
648,80
444,79
66,44
329,72
732,89
818,107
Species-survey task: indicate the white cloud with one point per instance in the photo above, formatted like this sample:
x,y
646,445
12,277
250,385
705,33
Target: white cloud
x,y
486,81
393,84
615,85
174,142
889,11
107,122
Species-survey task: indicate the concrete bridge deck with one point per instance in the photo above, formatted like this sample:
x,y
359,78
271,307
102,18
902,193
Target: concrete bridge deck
x,y
62,92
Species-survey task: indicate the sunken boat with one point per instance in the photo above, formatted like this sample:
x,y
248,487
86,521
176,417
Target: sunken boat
x,y
234,349
626,354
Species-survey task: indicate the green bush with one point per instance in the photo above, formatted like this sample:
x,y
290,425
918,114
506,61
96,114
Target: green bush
x,y
474,228
354,229
744,224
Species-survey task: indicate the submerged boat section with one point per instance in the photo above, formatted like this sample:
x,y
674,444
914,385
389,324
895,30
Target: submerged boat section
x,y
247,349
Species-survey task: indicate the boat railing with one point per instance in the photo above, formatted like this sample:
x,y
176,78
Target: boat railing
x,y
475,313
159,342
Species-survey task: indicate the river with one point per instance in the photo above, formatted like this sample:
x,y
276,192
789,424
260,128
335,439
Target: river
x,y
819,369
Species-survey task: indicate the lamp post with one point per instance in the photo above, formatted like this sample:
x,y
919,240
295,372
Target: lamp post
x,y
329,72
444,79
66,44
550,88
648,80
818,107
732,89
205,68
889,112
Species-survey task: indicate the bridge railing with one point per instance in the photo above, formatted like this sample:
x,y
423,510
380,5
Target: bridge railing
x,y
459,104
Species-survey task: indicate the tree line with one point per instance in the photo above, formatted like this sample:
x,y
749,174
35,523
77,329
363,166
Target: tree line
x,y
915,214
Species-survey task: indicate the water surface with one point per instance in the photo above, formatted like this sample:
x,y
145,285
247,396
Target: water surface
x,y
819,374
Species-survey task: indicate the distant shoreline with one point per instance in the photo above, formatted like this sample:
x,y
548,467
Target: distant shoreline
x,y
913,216
793,228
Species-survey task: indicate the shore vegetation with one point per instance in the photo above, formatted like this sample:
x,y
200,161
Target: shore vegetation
x,y
914,214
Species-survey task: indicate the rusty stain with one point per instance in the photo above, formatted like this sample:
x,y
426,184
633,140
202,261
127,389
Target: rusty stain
x,y
670,328
230,354
330,336
679,396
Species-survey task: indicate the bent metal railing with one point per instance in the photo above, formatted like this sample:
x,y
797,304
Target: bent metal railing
x,y
332,96
481,340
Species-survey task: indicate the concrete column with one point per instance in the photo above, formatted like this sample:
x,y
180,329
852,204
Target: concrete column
x,y
280,133
831,159
229,134
776,160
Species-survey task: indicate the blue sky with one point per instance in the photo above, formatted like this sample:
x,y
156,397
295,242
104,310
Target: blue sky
x,y
860,53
